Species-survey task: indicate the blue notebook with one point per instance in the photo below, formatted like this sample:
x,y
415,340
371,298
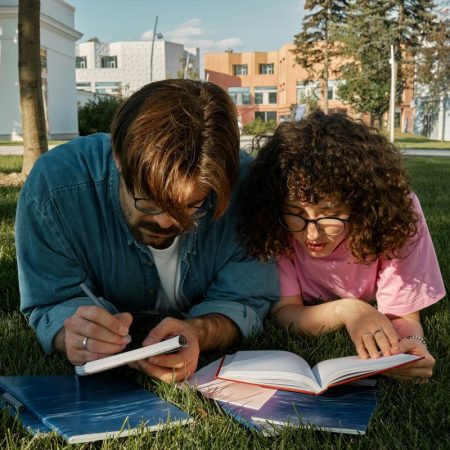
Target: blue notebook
x,y
87,409
342,409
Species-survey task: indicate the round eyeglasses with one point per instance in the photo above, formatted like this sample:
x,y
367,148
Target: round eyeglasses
x,y
196,211
330,226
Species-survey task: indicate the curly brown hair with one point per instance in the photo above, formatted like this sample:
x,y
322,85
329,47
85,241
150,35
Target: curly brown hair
x,y
322,157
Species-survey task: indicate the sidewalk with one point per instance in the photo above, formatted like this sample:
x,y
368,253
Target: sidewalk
x,y
246,142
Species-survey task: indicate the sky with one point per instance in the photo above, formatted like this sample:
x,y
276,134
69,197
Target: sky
x,y
213,26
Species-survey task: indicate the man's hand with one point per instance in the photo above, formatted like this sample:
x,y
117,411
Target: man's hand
x,y
203,333
421,369
106,334
173,366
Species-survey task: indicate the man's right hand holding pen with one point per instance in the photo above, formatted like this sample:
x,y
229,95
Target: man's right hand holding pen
x,y
93,333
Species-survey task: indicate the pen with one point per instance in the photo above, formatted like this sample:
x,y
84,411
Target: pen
x,y
91,295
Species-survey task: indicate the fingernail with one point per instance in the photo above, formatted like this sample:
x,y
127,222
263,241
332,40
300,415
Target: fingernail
x,y
148,341
123,330
127,339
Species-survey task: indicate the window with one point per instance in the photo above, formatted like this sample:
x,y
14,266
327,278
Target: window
x,y
259,96
109,62
240,96
265,116
108,87
307,91
266,69
84,86
80,62
240,69
266,95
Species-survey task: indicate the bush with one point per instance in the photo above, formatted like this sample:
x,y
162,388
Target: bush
x,y
258,126
96,116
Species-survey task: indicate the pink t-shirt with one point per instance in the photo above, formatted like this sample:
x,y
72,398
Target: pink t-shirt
x,y
400,286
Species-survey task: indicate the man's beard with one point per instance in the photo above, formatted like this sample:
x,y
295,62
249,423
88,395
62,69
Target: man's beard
x,y
164,239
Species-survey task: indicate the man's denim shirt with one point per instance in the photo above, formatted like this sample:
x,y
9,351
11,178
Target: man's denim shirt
x,y
70,228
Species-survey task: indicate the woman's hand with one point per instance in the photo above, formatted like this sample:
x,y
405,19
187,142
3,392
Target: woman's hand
x,y
422,369
370,330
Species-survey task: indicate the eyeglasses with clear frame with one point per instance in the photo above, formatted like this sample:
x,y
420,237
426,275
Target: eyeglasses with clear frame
x,y
196,211
330,226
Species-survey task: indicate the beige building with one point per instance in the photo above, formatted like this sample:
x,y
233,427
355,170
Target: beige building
x,y
267,85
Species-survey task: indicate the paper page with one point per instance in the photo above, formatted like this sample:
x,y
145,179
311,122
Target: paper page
x,y
274,368
240,394
121,359
335,370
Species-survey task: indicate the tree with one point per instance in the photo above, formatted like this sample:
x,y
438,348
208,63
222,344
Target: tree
x,y
188,70
96,116
314,45
30,80
366,37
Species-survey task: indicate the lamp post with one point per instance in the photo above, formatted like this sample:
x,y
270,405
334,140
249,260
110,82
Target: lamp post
x,y
153,47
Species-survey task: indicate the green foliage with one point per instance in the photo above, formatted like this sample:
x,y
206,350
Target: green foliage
x,y
314,45
433,64
408,416
96,116
258,126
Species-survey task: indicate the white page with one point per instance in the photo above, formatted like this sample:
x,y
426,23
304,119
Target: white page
x,y
334,370
120,359
232,392
270,367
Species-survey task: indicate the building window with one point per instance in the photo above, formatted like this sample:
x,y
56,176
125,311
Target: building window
x,y
84,86
109,62
265,116
240,96
80,62
307,91
108,87
266,95
240,69
266,69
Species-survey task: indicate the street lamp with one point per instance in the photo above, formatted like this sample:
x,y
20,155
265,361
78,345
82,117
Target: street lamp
x,y
155,35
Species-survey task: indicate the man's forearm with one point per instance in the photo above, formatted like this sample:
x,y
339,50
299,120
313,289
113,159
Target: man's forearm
x,y
215,331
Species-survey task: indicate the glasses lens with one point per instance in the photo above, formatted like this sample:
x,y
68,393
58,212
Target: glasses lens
x,y
330,227
146,207
292,223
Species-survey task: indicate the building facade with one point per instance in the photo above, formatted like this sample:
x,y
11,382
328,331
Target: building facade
x,y
270,85
58,37
121,68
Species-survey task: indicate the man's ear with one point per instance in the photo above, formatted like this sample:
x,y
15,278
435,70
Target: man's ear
x,y
118,165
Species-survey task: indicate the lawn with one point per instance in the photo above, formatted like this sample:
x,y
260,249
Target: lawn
x,y
408,416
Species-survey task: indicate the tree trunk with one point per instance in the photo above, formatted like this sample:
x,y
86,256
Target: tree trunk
x,y
31,101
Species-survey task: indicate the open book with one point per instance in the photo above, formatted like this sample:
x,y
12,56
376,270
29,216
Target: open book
x,y
287,371
99,365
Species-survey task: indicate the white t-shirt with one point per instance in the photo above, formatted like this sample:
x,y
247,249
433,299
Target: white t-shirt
x,y
167,263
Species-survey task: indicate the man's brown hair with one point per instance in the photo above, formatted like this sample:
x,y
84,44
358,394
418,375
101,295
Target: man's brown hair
x,y
173,133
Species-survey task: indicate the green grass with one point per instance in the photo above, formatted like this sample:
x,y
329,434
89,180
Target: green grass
x,y
17,143
410,140
408,416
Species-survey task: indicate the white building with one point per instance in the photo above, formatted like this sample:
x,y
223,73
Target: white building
x,y
124,67
58,38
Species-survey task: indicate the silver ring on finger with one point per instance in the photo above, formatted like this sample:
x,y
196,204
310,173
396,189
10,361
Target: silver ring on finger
x,y
380,330
85,342
366,333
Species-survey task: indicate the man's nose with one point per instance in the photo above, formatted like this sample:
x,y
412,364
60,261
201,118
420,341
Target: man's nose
x,y
164,220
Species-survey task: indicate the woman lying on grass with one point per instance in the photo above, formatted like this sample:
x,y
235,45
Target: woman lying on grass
x,y
329,199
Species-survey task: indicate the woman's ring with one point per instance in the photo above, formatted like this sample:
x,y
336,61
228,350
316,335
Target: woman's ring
x,y
377,331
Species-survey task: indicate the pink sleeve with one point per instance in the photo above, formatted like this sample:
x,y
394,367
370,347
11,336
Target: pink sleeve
x,y
289,280
409,284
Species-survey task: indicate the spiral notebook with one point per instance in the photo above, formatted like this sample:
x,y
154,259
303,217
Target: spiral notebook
x,y
86,409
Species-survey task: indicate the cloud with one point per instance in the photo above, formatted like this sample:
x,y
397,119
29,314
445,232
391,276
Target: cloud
x,y
193,34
